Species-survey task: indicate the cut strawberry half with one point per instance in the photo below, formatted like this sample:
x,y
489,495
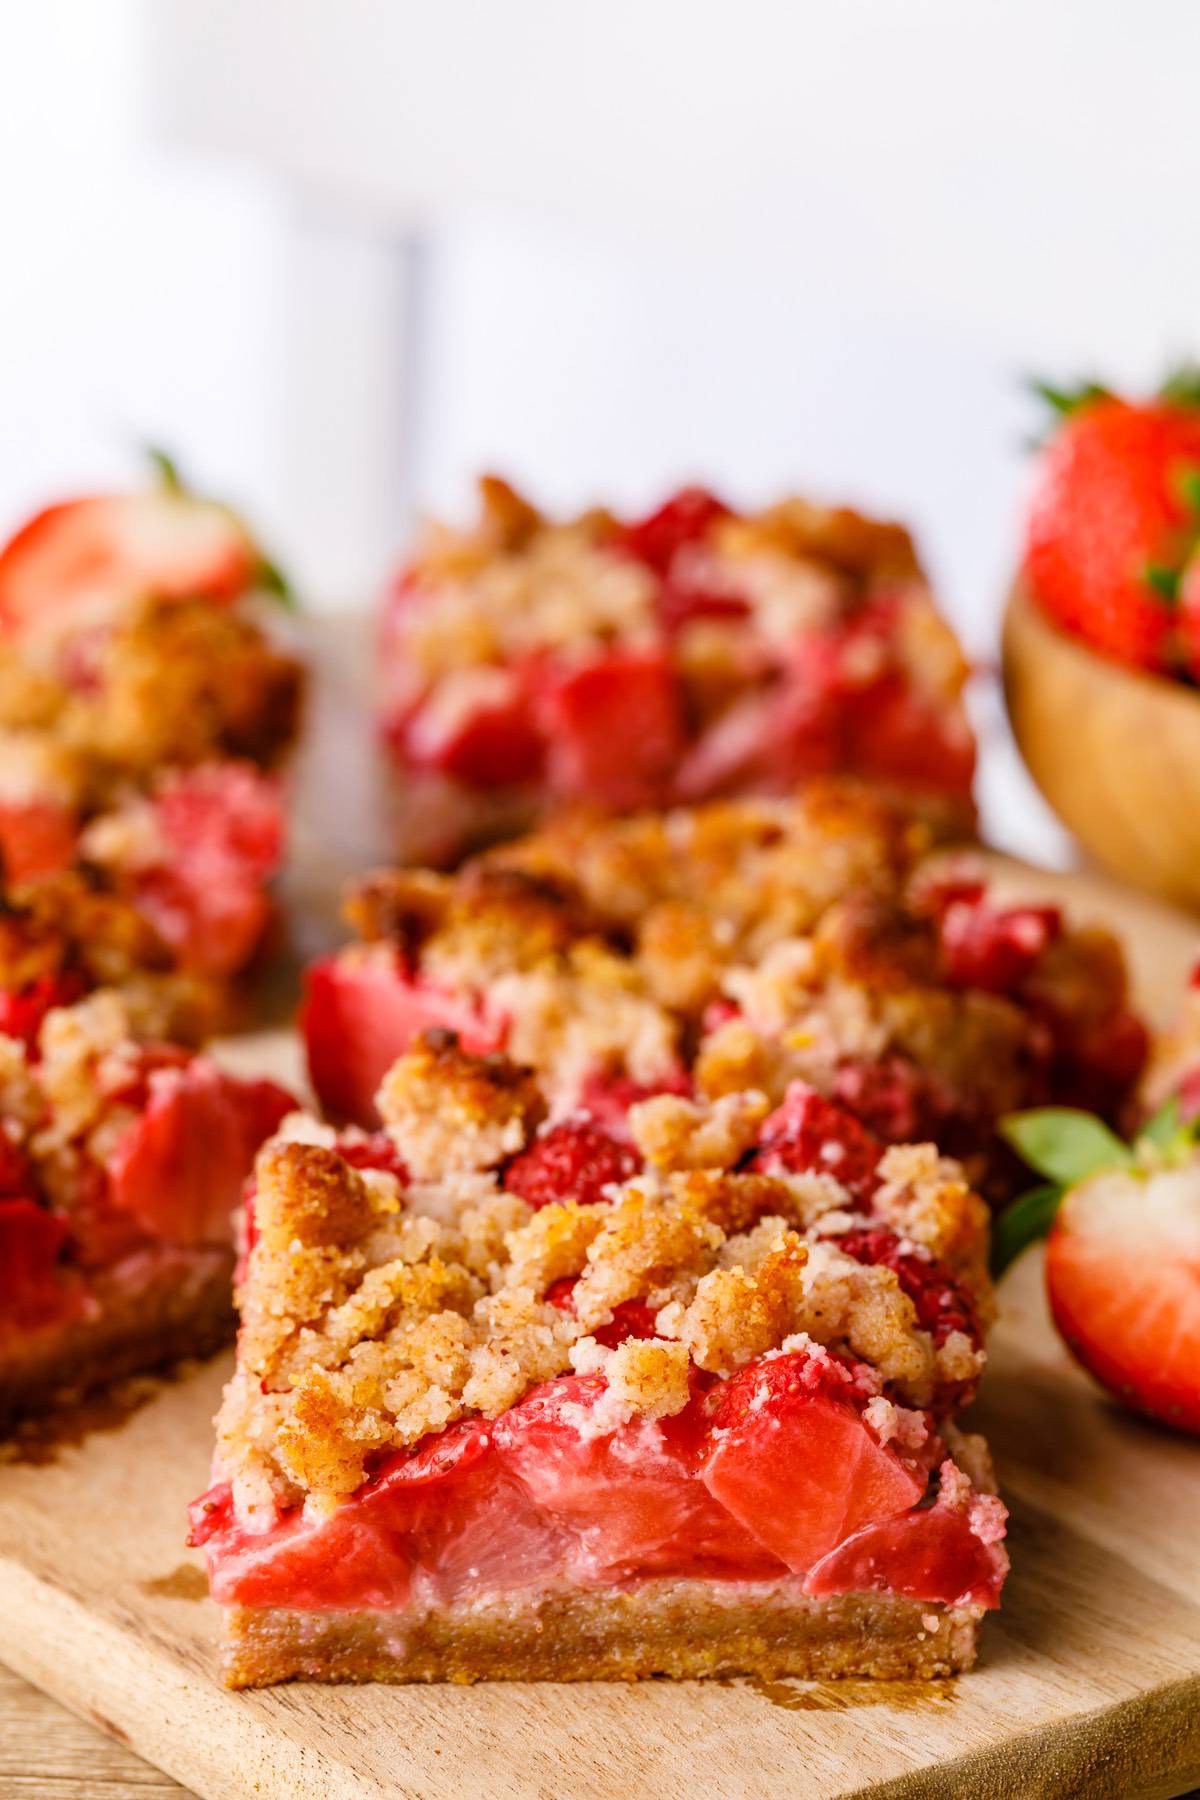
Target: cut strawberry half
x,y
361,1011
630,1497
178,1169
31,1237
80,561
1123,1279
615,729
574,1160
809,1134
793,1459
37,837
931,1554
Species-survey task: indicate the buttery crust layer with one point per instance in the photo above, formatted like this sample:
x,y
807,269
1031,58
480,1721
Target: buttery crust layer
x,y
137,1329
682,1629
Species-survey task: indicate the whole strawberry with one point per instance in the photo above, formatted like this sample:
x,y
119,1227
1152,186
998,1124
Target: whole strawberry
x,y
1115,516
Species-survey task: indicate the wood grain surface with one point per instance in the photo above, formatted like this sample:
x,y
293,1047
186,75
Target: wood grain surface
x,y
1089,1681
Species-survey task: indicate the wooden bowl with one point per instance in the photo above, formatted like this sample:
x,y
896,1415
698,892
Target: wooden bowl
x,y
1115,752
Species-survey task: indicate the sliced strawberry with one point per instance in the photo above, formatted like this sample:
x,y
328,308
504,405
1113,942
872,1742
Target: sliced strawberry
x,y
31,1237
994,947
630,1497
931,1554
792,1458
37,837
23,1009
809,1134
1123,1279
574,1160
222,833
179,1168
615,729
361,1011
80,561
686,518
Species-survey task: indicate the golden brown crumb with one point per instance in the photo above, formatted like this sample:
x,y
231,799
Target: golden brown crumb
x,y
450,1111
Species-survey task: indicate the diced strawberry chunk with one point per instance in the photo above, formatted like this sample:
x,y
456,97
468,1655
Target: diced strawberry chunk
x,y
614,728
37,837
931,1554
483,731
894,735
84,558
793,1460
179,1168
31,1237
630,1498
222,831
897,1101
374,1151
808,1133
995,947
361,1011
685,518
574,1160
23,1009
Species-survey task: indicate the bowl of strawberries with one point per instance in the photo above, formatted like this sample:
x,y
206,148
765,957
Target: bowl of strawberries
x,y
1102,631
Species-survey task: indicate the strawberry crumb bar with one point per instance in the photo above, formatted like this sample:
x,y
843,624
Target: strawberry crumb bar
x,y
144,707
737,945
694,653
121,1165
575,1399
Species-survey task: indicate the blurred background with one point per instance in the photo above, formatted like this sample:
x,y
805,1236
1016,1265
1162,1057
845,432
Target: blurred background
x,y
339,255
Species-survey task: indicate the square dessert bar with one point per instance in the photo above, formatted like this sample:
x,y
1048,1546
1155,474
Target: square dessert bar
x,y
121,1166
741,944
700,651
668,1391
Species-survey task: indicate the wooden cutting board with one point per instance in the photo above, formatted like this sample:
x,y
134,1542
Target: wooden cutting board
x,y
1088,1684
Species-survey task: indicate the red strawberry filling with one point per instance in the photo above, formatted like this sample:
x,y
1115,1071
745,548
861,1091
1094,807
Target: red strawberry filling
x,y
573,1160
808,1134
362,1009
37,837
614,729
943,1305
774,1470
23,1009
31,1241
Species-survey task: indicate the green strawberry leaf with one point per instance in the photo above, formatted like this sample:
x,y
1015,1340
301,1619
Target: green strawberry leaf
x,y
1182,386
1163,580
1063,1143
1164,1128
270,578
1066,400
1022,1223
167,469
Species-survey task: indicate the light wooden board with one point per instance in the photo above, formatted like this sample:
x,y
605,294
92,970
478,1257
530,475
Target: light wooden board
x,y
1089,1682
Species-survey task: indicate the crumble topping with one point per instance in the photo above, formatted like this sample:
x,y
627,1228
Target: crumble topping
x,y
377,1311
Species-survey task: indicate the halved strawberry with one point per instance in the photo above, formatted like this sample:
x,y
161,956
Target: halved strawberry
x,y
1123,1279
631,1497
221,827
808,1133
574,1160
931,1553
179,1168
614,728
37,837
792,1458
362,1010
81,560
31,1237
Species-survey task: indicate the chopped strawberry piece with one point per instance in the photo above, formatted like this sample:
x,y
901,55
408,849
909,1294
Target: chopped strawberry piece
x,y
630,1497
374,1151
792,1458
83,559
633,1318
684,519
31,1238
942,1304
23,1009
931,1554
995,948
486,736
810,1134
37,837
361,1011
179,1168
607,1098
222,832
574,1160
614,728
1123,1279
897,1101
